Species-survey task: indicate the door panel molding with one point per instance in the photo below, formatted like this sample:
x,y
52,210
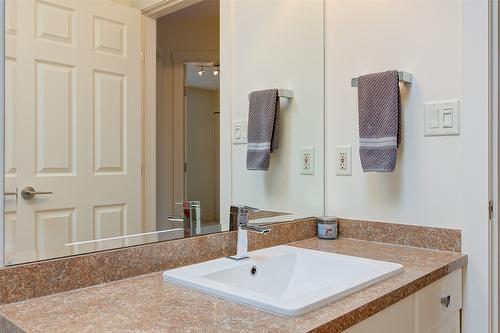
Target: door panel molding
x,y
55,106
158,8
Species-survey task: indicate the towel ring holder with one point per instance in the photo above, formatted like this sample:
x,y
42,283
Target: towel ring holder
x,y
282,93
404,77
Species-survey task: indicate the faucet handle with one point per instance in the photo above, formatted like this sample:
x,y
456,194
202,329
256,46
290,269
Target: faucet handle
x,y
246,209
239,209
238,215
189,203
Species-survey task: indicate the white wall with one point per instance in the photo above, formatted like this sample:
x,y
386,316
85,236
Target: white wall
x,y
439,181
276,44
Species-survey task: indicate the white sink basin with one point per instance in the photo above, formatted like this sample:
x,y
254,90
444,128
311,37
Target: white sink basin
x,y
287,280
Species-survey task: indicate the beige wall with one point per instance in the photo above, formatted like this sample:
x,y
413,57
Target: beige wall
x,y
175,32
202,150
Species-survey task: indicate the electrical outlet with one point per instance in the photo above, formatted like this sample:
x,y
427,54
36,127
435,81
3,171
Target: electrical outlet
x,y
307,161
343,161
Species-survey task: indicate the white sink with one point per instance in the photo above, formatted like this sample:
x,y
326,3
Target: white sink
x,y
287,280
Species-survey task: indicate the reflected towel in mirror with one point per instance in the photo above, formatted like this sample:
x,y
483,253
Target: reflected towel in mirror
x,y
263,128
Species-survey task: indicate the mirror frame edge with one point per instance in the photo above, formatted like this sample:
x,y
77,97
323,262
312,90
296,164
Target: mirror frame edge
x,y
325,116
2,133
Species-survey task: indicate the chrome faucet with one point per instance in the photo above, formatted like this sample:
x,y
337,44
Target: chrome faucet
x,y
238,220
191,218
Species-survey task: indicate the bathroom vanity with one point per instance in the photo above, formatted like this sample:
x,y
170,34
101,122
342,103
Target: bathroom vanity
x,y
424,298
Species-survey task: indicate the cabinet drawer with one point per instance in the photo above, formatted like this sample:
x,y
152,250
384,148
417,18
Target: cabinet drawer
x,y
438,301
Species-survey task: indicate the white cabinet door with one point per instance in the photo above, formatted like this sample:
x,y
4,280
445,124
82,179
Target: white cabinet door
x,y
398,318
422,312
74,124
431,312
449,325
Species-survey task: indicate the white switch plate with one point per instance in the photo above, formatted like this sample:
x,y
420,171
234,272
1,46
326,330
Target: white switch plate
x,y
343,160
307,161
442,118
240,132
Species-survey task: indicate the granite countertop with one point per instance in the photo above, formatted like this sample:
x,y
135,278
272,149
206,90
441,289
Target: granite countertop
x,y
147,304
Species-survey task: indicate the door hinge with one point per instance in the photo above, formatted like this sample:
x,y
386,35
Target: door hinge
x,y
185,91
490,209
185,167
142,56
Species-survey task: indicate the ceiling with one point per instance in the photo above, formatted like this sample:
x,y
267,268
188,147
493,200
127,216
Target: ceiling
x,y
203,9
206,81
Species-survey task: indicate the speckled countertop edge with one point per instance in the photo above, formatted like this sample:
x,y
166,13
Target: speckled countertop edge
x,y
71,310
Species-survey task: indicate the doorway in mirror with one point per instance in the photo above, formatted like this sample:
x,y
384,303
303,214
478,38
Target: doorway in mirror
x,y
201,128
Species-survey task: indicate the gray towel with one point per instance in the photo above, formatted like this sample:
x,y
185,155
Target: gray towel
x,y
379,108
263,128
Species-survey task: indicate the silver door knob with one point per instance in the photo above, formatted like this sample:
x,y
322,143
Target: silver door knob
x,y
29,192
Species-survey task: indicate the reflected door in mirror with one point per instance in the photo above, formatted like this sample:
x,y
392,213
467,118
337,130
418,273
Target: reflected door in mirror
x,y
72,127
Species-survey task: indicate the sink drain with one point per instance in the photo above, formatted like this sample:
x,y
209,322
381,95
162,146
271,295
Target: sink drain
x,y
253,271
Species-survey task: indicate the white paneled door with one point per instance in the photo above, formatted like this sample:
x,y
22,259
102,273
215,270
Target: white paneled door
x,y
73,115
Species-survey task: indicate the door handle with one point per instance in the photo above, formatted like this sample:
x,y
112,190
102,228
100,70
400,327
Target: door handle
x,y
7,194
175,219
29,192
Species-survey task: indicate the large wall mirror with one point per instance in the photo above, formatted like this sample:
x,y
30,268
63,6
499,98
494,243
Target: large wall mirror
x,y
125,120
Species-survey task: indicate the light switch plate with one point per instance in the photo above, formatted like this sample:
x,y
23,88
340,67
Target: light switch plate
x,y
307,161
442,118
343,160
240,132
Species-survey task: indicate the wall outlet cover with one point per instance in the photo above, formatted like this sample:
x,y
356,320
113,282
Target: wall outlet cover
x,y
307,161
343,160
239,132
442,118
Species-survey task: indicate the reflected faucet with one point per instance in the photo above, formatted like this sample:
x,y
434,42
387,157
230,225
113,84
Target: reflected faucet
x,y
191,218
238,220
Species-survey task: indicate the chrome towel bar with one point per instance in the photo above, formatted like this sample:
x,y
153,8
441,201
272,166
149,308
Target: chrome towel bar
x,y
404,77
282,93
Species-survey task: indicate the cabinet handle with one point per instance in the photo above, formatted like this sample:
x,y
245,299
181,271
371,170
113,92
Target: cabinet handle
x,y
445,300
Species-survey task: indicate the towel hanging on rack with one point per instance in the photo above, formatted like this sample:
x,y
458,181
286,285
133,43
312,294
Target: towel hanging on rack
x,y
379,110
263,128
